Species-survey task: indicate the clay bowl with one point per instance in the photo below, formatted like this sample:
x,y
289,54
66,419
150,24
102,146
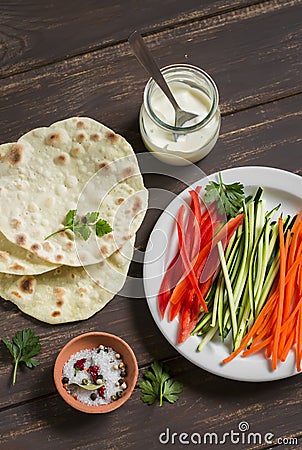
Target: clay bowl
x,y
90,341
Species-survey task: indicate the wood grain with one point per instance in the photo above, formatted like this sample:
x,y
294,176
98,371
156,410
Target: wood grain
x,y
208,404
83,66
247,52
246,139
33,35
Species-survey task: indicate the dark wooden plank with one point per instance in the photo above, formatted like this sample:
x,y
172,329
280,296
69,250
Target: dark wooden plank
x,y
253,54
267,135
32,35
207,405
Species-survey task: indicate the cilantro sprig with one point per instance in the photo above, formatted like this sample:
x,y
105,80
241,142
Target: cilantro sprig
x,y
229,197
159,385
23,347
82,225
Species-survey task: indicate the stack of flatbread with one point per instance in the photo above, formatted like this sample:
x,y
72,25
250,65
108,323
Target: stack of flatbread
x,y
75,164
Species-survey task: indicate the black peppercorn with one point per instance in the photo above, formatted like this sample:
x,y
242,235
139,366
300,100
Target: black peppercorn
x,y
93,396
65,380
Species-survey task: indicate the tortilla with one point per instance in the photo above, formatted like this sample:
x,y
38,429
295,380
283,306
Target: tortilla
x,y
16,260
68,294
77,163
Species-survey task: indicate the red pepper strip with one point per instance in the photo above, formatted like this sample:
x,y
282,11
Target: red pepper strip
x,y
208,225
175,308
197,209
183,252
229,228
193,320
191,241
188,318
165,287
163,297
212,263
174,271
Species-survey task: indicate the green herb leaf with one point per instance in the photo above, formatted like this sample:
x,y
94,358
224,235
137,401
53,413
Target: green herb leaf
x,y
81,230
159,385
229,197
92,217
70,216
24,346
81,226
102,227
171,388
88,387
149,391
76,370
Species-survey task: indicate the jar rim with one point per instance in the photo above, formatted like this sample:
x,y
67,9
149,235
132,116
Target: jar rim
x,y
189,68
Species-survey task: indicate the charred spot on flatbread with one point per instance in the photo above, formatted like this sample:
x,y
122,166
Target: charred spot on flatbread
x,y
27,284
16,294
59,296
104,250
17,266
81,137
47,246
137,205
53,138
35,248
112,137
95,137
62,159
76,151
4,256
15,155
21,239
69,246
119,201
59,257
56,313
81,124
105,166
16,223
128,172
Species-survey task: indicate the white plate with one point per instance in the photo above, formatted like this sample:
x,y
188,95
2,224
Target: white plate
x,y
279,187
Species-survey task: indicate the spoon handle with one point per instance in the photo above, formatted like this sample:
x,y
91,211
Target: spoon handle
x,y
147,61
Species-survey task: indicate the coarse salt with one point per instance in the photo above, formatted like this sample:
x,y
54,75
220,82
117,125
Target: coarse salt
x,y
106,359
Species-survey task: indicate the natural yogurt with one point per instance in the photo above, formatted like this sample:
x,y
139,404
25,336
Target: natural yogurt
x,y
95,376
195,92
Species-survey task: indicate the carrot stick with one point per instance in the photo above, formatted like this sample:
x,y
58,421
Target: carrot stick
x,y
281,294
185,257
299,338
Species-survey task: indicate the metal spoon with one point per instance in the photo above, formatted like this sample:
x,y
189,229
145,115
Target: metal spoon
x,y
147,61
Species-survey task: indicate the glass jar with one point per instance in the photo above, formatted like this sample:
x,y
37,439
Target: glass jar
x,y
196,92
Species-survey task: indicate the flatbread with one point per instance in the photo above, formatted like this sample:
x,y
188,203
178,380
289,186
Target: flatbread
x,y
17,260
52,170
68,294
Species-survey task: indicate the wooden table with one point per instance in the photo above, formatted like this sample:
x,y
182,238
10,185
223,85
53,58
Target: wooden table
x,y
69,58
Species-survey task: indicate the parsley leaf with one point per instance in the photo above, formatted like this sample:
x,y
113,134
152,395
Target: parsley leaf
x,y
24,346
92,217
102,227
81,226
70,216
159,385
229,197
81,230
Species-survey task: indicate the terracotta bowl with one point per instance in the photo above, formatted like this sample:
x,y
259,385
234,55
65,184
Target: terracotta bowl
x,y
90,341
